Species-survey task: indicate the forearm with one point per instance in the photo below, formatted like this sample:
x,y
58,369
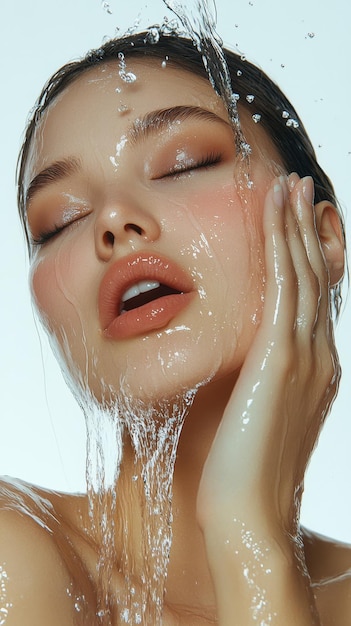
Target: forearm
x,y
259,577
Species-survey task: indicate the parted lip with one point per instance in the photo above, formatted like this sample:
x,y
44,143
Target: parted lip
x,y
128,271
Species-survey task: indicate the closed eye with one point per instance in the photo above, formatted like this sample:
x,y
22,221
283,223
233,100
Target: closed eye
x,y
189,165
45,235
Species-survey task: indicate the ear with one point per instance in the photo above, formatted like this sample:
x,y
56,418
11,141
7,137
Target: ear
x,y
331,236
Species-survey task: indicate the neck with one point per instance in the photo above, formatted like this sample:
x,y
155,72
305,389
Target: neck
x,y
188,571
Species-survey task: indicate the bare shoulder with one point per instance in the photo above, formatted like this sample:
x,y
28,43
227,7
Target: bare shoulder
x,y
329,565
37,564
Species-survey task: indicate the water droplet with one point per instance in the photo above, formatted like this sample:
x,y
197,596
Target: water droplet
x,y
243,57
123,108
256,117
310,35
239,73
292,123
285,114
282,65
246,149
250,98
153,35
127,77
106,6
125,615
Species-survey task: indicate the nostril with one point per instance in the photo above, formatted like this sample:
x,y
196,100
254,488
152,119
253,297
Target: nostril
x,y
108,239
134,227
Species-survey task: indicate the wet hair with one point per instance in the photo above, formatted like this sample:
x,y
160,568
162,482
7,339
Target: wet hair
x,y
277,115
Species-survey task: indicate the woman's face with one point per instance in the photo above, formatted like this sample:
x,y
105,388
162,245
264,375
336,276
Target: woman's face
x,y
148,267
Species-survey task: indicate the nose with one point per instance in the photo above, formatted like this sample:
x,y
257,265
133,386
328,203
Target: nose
x,y
120,225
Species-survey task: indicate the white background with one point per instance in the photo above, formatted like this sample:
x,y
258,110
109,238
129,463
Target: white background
x,y
42,431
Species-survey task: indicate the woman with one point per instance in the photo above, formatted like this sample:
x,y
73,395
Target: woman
x,y
178,273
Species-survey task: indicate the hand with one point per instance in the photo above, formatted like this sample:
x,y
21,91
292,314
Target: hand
x,y
252,481
290,375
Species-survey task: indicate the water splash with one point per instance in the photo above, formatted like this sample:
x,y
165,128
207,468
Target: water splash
x,y
198,19
154,433
119,495
153,35
104,455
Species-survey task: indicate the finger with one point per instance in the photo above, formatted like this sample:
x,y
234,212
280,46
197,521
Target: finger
x,y
281,292
308,286
307,225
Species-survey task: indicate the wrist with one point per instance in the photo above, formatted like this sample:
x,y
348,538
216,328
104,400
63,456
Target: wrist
x,y
259,576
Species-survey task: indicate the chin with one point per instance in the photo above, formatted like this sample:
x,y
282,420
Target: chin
x,y
142,375
160,367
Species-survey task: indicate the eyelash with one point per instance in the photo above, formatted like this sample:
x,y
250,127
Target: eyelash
x,y
207,161
44,236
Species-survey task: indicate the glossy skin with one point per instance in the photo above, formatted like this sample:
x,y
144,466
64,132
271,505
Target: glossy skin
x,y
124,186
272,368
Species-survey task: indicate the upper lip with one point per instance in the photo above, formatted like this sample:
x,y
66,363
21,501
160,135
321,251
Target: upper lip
x,y
128,271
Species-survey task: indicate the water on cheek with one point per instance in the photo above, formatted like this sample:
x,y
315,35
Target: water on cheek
x,y
224,258
58,288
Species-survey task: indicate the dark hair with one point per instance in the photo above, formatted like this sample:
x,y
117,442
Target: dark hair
x,y
277,115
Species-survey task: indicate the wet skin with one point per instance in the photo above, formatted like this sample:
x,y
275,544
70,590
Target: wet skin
x,y
131,197
179,196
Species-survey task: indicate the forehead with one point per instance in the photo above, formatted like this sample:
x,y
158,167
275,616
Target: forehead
x,y
98,107
100,98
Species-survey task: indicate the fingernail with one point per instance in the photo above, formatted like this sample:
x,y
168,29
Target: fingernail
x,y
278,195
308,189
293,178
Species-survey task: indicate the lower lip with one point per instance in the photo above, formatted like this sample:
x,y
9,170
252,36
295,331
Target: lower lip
x,y
149,317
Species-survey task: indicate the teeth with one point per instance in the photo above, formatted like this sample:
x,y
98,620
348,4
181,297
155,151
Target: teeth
x,y
141,287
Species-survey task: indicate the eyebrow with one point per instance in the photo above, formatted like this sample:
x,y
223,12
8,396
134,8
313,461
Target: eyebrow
x,y
150,124
156,121
52,174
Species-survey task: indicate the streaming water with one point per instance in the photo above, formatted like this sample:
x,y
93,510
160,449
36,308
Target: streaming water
x,y
104,454
198,20
134,504
130,502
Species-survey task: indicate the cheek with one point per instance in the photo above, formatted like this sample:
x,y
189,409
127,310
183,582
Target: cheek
x,y
229,228
58,290
227,245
